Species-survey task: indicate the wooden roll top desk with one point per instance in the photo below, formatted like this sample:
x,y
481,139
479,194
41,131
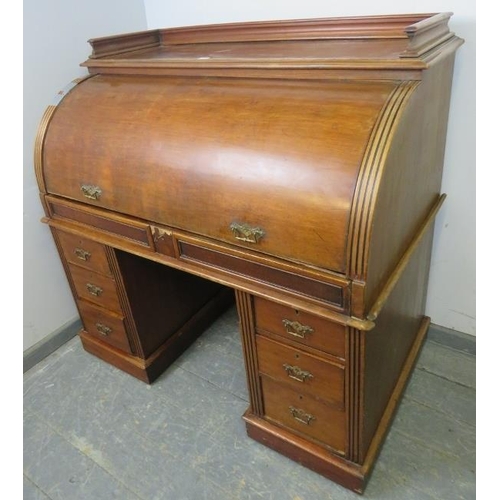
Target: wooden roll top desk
x,y
297,163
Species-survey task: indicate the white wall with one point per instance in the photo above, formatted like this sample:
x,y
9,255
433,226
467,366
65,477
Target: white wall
x,y
452,294
55,43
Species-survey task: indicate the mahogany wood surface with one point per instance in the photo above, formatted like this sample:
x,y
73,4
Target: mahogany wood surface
x,y
411,179
308,453
323,291
310,330
301,371
84,252
305,140
293,409
104,325
96,288
297,163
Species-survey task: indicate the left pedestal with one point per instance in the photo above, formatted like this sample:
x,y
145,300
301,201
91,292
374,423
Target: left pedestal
x,y
137,314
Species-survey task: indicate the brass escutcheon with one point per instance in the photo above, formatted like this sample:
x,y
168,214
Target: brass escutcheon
x,y
296,373
103,329
94,290
92,192
244,232
297,329
301,415
82,254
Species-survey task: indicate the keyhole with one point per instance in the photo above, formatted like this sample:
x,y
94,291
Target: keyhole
x,y
297,356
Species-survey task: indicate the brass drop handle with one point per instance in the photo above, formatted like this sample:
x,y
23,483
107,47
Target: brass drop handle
x,y
301,415
94,290
103,329
90,191
245,232
297,329
82,254
296,373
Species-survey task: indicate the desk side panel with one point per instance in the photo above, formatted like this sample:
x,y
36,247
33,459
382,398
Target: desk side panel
x,y
411,178
387,349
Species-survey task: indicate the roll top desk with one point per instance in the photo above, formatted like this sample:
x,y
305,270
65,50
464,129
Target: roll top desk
x,y
293,165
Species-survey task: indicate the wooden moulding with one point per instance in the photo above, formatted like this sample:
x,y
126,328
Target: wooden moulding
x,y
407,41
393,26
118,44
304,452
400,267
38,151
40,137
370,175
419,29
247,329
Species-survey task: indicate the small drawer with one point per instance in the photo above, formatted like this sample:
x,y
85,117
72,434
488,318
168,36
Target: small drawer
x,y
84,252
299,412
300,327
96,288
104,325
301,371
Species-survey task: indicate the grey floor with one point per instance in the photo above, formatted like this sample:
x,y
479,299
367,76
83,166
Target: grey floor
x,y
93,432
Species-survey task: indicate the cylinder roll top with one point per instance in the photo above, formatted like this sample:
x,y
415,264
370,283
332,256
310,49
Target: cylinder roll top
x,y
266,164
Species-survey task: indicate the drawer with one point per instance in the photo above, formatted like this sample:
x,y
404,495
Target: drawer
x,y
95,287
299,412
84,252
108,223
104,325
237,264
301,371
300,327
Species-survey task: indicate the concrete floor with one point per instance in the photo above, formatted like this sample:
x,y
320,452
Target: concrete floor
x,y
93,432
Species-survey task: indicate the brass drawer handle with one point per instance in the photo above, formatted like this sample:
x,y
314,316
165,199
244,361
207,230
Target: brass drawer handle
x,y
103,329
296,373
82,254
244,232
94,290
92,192
301,415
297,329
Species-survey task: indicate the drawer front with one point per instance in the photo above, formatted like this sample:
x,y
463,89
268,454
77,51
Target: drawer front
x,y
96,288
301,371
104,325
300,327
84,252
301,413
319,290
111,224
